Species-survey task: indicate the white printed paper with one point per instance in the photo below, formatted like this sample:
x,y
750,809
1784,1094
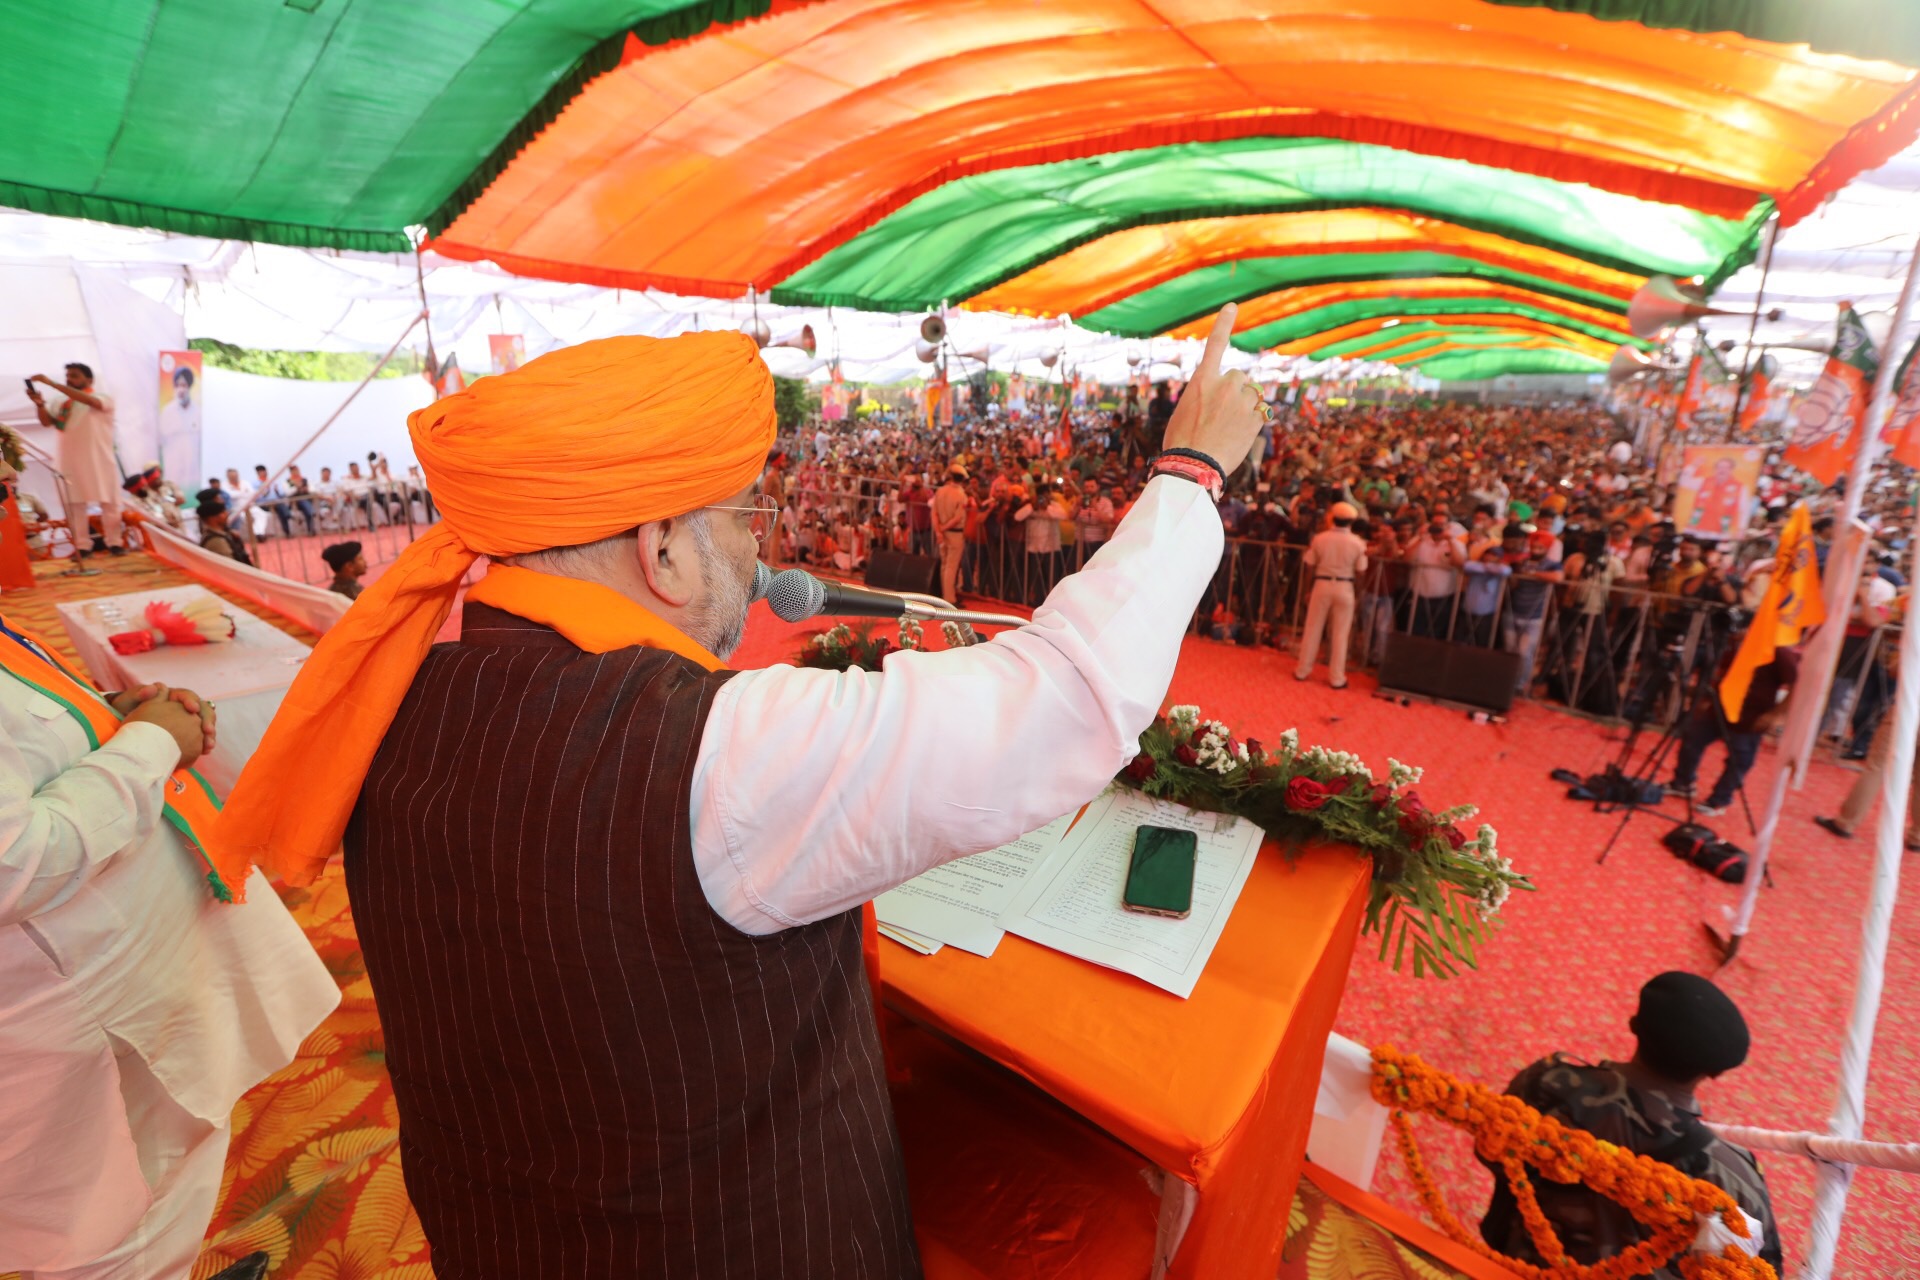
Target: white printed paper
x,y
960,903
910,940
1073,903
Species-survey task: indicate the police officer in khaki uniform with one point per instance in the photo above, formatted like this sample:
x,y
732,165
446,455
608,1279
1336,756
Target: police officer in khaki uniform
x,y
1336,557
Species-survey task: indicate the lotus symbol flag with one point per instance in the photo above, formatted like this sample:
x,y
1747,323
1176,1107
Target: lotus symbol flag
x,y
1824,435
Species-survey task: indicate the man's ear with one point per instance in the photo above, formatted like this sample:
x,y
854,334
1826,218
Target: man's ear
x,y
665,550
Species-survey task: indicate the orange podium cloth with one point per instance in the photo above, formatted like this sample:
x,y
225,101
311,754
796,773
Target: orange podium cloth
x,y
16,565
1216,1090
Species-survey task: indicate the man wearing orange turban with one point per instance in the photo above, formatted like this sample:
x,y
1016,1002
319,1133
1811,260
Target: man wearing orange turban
x,y
608,891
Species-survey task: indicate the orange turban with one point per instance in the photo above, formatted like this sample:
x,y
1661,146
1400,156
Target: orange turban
x,y
578,445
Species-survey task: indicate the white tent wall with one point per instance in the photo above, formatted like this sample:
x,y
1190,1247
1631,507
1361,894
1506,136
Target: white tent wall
x,y
250,419
54,312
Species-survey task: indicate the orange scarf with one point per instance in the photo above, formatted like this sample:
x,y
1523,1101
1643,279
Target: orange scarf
x,y
191,805
596,619
581,444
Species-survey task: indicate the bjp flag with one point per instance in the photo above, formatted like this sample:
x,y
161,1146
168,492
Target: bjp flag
x,y
1902,432
1792,605
1825,428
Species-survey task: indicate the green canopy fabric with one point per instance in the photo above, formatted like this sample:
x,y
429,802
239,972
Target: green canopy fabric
x,y
1321,319
304,122
967,236
1471,366
1401,339
1198,293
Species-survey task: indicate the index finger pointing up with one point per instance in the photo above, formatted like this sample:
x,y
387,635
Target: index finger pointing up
x,y
1217,341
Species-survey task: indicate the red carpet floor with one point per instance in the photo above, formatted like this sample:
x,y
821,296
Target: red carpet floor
x,y
1564,972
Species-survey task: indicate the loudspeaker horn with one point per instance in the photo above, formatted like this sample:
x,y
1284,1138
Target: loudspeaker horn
x,y
1050,358
756,329
1663,302
801,338
1628,362
926,352
980,353
933,329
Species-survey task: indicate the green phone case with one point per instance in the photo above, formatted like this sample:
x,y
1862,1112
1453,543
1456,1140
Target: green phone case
x,y
1160,879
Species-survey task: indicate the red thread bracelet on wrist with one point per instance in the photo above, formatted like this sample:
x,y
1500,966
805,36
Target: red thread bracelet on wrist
x,y
1189,469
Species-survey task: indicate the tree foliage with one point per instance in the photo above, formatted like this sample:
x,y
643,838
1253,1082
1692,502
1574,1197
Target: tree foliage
x,y
308,366
794,401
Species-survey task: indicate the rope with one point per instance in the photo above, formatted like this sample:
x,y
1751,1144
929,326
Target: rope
x,y
1901,1157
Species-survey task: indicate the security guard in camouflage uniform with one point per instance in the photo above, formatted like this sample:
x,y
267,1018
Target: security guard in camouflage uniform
x,y
1688,1032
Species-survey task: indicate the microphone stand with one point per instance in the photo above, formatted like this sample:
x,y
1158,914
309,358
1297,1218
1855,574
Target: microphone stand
x,y
926,608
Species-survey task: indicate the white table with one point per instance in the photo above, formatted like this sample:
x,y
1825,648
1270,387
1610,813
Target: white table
x,y
246,678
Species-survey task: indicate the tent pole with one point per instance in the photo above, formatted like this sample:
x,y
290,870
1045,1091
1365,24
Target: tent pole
x,y
334,417
1753,326
1832,1179
1824,654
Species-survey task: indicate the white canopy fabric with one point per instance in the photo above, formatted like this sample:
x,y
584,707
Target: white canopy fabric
x,y
1855,249
271,296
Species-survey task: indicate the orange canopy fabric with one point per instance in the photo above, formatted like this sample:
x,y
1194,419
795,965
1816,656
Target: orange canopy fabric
x,y
1393,333
1127,262
737,156
581,444
1271,308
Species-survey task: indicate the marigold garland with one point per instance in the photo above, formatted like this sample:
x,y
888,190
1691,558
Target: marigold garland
x,y
1508,1132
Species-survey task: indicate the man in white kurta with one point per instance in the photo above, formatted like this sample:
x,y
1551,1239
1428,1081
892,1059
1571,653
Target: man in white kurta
x,y
134,1008
89,469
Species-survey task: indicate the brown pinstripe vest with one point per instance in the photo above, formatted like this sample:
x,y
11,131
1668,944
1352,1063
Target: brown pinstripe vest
x,y
597,1076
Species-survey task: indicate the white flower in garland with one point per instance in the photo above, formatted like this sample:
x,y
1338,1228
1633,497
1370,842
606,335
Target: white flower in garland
x,y
1215,748
1403,775
1492,898
1183,718
1290,741
1337,762
1486,842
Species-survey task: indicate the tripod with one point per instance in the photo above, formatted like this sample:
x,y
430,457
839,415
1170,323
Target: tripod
x,y
1698,653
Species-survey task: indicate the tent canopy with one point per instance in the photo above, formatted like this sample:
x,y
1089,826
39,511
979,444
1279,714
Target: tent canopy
x,y
1132,164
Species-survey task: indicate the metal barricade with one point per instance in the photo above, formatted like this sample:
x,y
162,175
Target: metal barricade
x,y
286,535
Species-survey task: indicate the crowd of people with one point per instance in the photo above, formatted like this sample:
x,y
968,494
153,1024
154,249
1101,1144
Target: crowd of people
x,y
1541,530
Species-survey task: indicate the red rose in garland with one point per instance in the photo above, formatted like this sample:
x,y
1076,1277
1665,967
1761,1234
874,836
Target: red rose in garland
x,y
1142,767
1255,750
1304,795
1456,837
1415,821
1186,755
1380,794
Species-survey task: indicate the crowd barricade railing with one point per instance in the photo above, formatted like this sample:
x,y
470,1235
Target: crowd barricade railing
x,y
285,535
1621,654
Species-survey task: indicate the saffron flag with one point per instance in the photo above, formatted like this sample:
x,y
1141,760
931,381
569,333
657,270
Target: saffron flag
x,y
1902,432
1310,410
1793,603
1759,389
1063,434
1690,394
1825,428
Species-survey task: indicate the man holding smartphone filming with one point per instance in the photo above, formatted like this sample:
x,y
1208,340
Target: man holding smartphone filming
x,y
608,891
90,471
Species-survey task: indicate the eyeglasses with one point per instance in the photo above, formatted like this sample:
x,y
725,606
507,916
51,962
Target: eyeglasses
x,y
761,516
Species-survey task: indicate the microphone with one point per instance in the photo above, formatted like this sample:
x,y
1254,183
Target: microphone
x,y
762,579
795,595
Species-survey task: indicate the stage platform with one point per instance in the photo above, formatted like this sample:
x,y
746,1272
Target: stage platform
x,y
314,1177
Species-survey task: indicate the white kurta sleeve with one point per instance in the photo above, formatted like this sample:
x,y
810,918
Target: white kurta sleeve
x,y
54,839
813,791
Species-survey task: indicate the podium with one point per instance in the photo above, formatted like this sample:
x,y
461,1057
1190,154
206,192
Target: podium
x,y
1061,1119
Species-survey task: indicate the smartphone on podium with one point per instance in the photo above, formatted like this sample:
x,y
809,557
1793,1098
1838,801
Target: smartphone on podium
x,y
1160,878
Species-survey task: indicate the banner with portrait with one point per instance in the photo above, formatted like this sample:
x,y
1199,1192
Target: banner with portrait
x,y
1715,493
508,351
179,419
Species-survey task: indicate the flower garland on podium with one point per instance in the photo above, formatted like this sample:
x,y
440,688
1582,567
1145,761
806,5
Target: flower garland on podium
x,y
1436,893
